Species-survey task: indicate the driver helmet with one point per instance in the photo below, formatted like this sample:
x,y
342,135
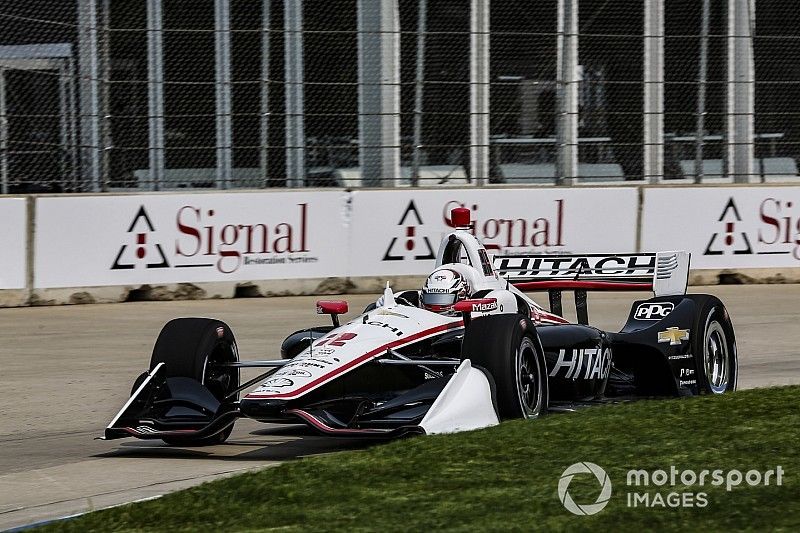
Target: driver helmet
x,y
443,288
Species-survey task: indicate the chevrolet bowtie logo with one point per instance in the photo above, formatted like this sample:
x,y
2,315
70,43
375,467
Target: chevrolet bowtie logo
x,y
673,335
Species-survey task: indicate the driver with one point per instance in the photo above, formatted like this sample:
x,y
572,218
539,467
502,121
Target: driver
x,y
443,288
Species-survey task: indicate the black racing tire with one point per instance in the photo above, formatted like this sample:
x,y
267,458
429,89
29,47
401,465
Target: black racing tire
x,y
508,347
138,381
185,346
714,346
299,340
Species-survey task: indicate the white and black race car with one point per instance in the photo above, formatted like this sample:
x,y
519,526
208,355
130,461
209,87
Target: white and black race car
x,y
399,368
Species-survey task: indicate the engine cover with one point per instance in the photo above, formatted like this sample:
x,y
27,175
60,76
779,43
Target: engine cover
x,y
578,361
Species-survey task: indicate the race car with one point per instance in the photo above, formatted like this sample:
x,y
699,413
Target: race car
x,y
466,352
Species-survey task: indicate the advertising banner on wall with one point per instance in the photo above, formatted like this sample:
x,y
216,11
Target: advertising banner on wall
x,y
398,232
175,238
13,260
725,227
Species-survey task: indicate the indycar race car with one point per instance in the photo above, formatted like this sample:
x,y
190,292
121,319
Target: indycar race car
x,y
405,366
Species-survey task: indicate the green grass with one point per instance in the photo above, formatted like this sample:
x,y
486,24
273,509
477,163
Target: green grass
x,y
506,477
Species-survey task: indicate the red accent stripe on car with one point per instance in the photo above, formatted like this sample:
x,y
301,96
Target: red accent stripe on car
x,y
347,366
587,285
553,319
325,428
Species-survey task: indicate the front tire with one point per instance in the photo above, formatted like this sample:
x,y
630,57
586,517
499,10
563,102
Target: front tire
x,y
508,347
187,346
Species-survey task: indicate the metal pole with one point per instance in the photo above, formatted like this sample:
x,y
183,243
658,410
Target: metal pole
x,y
295,94
701,93
3,134
741,99
264,124
155,92
567,92
379,91
479,92
105,92
222,48
73,122
63,124
653,91
419,88
88,64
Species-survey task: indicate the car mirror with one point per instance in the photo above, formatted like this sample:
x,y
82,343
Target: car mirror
x,y
333,308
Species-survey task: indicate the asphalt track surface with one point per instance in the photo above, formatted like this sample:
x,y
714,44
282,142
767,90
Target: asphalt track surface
x,y
67,370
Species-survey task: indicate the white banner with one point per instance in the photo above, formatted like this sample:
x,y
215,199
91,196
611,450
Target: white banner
x,y
168,238
398,232
725,227
13,259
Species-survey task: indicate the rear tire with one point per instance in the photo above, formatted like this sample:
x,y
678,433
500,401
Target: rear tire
x,y
186,346
508,347
714,347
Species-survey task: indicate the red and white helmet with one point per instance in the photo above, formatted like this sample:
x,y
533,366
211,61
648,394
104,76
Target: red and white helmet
x,y
443,288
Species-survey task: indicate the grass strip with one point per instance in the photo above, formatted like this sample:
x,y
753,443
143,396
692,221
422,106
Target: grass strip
x,y
506,477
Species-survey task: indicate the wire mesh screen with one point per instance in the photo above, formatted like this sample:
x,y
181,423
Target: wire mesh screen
x,y
611,56
37,82
100,95
777,98
695,90
523,94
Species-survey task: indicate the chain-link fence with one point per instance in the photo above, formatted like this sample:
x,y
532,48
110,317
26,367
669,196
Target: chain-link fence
x,y
167,94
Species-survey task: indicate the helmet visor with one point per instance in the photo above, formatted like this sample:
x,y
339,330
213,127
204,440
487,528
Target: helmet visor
x,y
438,298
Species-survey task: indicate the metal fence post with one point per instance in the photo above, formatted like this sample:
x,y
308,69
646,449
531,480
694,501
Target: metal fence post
x,y
702,76
741,90
155,93
3,134
419,88
104,47
567,92
89,75
264,122
73,123
295,94
379,92
479,92
653,91
63,118
222,48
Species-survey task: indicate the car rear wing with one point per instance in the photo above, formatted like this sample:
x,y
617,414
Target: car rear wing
x,y
664,273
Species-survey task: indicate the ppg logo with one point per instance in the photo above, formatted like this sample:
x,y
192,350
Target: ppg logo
x,y
653,310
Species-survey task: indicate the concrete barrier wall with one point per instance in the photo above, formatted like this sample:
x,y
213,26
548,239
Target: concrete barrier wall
x,y
162,246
